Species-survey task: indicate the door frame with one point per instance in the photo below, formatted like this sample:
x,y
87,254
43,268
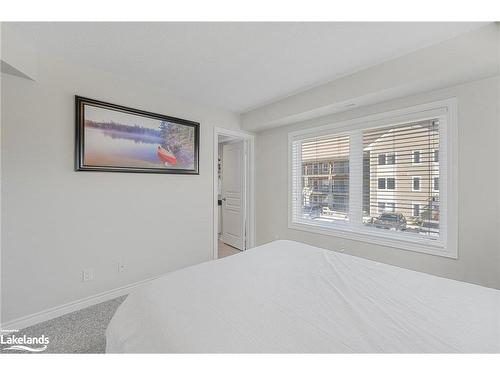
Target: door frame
x,y
249,187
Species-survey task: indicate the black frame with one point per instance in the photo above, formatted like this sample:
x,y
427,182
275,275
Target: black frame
x,y
80,138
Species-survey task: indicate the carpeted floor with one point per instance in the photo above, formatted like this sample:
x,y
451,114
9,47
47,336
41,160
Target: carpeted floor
x,y
82,331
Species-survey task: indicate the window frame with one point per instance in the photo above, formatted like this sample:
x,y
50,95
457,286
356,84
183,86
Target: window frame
x,y
434,184
387,183
378,183
384,158
419,157
434,156
394,154
419,183
444,110
413,204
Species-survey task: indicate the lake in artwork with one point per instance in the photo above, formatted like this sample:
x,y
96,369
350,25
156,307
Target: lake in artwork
x,y
119,139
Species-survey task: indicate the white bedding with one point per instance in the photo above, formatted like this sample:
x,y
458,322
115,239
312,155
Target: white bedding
x,y
290,297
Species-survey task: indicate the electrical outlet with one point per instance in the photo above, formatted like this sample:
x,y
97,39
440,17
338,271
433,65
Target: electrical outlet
x,y
87,274
122,267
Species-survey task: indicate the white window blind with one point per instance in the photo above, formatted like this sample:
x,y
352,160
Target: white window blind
x,y
378,182
410,180
320,178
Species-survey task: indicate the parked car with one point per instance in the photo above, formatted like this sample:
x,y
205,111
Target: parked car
x,y
312,212
389,220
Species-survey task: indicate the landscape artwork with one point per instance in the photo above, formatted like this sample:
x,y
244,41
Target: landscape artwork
x,y
120,139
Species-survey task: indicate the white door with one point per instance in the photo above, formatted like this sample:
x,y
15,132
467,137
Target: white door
x,y
233,194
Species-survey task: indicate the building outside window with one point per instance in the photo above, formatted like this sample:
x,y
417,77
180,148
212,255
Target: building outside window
x,y
381,159
416,183
436,184
416,157
381,183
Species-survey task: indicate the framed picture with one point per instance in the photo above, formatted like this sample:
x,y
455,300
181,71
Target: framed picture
x,y
113,138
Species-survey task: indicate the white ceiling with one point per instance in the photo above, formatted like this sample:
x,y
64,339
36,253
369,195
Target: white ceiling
x,y
236,66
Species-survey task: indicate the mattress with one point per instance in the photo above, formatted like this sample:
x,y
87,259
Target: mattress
x,y
288,297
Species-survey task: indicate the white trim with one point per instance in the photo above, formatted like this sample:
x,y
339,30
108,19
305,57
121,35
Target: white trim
x,y
430,247
396,117
249,139
446,111
70,307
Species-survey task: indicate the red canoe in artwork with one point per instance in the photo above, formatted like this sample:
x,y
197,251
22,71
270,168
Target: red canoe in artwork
x,y
166,157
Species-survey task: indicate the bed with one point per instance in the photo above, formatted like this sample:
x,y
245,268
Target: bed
x,y
289,297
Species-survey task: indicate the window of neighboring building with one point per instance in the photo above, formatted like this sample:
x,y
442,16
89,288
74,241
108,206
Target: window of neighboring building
x,y
415,184
391,159
381,159
359,187
416,157
315,168
416,209
436,183
326,168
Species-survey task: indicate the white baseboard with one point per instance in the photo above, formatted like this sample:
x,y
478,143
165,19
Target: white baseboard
x,y
58,311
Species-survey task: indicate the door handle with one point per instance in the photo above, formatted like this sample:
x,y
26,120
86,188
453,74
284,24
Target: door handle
x,y
223,199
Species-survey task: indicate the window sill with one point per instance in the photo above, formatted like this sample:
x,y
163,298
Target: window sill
x,y
435,248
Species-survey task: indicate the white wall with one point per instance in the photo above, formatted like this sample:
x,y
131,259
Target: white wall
x,y
479,248
55,221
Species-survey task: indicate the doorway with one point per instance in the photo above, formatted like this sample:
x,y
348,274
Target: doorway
x,y
233,192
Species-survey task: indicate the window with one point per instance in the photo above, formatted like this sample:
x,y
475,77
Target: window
x,y
436,184
381,159
416,157
391,159
326,201
381,207
383,183
415,185
326,168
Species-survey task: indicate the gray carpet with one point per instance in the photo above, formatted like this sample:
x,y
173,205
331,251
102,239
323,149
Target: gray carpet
x,y
82,331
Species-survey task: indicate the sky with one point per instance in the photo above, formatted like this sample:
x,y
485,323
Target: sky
x,y
98,114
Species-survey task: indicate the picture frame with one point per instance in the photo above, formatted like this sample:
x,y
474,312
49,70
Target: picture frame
x,y
115,138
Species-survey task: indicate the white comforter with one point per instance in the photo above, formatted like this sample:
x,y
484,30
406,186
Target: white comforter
x,y
290,297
